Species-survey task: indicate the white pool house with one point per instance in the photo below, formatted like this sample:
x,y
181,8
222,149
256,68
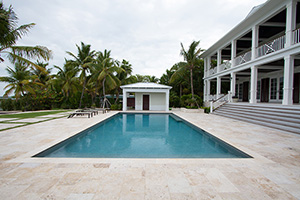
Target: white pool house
x,y
147,96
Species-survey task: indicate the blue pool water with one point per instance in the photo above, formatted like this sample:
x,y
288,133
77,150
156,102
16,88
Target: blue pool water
x,y
143,136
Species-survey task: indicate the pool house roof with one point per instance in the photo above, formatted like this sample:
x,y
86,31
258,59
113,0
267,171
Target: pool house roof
x,y
145,86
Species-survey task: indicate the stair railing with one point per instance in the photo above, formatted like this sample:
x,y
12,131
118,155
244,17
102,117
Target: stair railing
x,y
214,104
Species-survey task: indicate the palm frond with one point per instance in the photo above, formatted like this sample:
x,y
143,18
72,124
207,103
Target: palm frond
x,y
29,52
14,58
110,82
179,74
6,79
12,36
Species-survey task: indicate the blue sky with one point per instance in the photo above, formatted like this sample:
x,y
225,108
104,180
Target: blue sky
x,y
146,33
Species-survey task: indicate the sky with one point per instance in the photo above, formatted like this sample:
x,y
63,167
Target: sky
x,y
147,33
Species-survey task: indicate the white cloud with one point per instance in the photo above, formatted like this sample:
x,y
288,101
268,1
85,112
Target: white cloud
x,y
146,33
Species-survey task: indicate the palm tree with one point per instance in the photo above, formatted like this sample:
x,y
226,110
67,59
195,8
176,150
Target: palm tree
x,y
10,33
67,80
124,75
83,61
106,75
152,79
179,76
42,76
146,78
19,81
191,56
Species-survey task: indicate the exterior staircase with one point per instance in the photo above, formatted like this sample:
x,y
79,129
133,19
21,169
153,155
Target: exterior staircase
x,y
285,118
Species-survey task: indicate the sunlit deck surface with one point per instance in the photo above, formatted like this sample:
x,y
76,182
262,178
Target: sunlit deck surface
x,y
273,173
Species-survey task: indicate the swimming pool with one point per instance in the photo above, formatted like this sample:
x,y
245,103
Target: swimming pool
x,y
140,135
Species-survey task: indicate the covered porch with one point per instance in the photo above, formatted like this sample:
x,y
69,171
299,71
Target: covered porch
x,y
276,81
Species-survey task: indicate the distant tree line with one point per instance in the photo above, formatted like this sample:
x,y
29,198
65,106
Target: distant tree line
x,y
87,77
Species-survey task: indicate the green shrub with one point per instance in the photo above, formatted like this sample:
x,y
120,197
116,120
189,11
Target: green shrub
x,y
191,107
174,100
206,109
7,104
116,107
186,100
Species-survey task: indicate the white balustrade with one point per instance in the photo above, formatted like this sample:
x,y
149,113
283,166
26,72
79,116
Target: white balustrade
x,y
225,98
242,58
213,71
296,36
225,65
271,46
211,97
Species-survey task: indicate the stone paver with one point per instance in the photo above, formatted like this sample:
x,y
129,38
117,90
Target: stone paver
x,y
4,125
28,120
272,173
7,119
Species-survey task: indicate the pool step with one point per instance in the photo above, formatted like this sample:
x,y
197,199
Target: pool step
x,y
275,116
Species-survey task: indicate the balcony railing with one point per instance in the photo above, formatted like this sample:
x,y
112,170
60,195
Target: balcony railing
x,y
296,36
271,46
212,71
242,58
225,65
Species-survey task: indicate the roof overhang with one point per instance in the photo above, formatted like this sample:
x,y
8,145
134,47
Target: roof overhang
x,y
146,86
256,16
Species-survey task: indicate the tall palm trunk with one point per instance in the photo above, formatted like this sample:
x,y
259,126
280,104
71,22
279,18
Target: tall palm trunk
x,y
84,82
180,91
192,85
117,96
95,94
103,89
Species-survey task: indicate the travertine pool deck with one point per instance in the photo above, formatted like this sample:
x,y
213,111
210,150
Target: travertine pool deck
x,y
273,173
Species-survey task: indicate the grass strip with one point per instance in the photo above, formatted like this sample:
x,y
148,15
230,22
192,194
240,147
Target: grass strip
x,y
32,114
30,123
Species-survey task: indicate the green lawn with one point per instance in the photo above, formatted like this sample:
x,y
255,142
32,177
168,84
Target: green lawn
x,y
31,114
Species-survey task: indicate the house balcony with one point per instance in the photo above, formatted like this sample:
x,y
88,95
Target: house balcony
x,y
296,36
242,58
225,65
274,44
271,46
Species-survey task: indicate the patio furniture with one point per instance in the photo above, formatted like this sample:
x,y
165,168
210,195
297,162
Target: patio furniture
x,y
81,113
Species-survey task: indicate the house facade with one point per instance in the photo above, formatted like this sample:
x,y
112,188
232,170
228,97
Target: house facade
x,y
147,96
259,59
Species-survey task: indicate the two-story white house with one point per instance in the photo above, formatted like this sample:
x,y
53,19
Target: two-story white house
x,y
259,59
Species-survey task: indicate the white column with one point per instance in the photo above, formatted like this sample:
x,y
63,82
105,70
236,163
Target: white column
x,y
124,100
290,22
219,59
232,83
254,42
167,100
233,52
253,84
208,89
288,80
204,90
219,83
205,67
208,62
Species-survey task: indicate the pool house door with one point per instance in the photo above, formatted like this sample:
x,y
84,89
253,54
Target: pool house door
x,y
145,102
